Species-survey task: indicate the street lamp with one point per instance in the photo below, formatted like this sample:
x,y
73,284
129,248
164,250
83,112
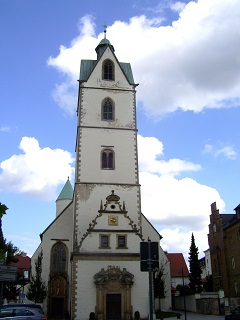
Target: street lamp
x,y
184,299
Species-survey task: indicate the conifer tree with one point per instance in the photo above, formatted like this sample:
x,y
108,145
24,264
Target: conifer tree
x,y
194,267
37,290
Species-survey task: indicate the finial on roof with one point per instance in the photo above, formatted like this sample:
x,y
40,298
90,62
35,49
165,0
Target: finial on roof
x,y
105,29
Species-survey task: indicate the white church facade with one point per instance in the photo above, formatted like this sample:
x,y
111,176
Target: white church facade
x,y
91,251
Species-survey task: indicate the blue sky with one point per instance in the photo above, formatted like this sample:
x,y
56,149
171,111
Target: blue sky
x,y
185,57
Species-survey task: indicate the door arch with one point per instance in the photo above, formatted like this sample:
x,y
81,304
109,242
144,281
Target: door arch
x,y
113,293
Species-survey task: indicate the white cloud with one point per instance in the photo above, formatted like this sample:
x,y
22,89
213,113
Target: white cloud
x,y
175,240
5,129
227,152
149,151
36,171
176,207
192,65
177,6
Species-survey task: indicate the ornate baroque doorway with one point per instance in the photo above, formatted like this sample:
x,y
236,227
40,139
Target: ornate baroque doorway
x,y
113,294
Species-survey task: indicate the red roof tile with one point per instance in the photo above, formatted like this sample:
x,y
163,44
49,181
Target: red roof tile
x,y
178,267
23,262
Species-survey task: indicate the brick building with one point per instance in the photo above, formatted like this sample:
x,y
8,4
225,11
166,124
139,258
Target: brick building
x,y
224,245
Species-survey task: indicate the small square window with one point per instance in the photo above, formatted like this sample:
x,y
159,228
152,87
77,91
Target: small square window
x,y
26,274
104,241
121,241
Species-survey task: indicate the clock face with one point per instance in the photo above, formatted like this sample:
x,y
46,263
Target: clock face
x,y
113,220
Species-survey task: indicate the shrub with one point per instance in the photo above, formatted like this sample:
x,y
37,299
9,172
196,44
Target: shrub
x,y
136,315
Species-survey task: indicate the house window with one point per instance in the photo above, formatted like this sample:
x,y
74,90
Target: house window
x,y
107,109
104,241
26,274
59,257
107,159
121,241
214,228
108,70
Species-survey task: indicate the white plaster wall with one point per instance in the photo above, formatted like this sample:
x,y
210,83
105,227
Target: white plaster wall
x,y
150,232
61,205
124,105
122,142
95,79
179,281
89,200
61,228
91,243
208,262
86,288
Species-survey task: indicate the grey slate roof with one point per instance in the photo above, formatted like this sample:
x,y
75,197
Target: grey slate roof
x,y
228,219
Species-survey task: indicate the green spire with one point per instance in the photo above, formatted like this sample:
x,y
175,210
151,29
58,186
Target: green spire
x,y
67,192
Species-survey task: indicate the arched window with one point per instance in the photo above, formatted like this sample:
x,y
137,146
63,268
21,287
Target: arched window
x,y
107,159
107,109
59,257
108,70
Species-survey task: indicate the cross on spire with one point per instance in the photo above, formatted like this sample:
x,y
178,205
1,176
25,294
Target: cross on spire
x,y
105,29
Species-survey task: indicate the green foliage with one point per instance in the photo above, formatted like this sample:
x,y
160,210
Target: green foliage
x,y
194,267
7,255
159,284
37,290
184,290
136,315
3,209
208,285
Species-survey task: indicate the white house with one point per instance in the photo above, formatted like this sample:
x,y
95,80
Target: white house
x,y
91,251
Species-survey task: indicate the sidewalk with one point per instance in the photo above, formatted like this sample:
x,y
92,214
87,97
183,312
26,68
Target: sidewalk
x,y
198,316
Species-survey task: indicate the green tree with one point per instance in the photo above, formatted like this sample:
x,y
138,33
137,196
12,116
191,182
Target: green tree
x,y
159,285
37,290
8,254
194,267
3,210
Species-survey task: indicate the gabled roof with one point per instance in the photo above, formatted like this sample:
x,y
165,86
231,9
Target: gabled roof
x,y
24,262
178,267
87,66
228,219
67,192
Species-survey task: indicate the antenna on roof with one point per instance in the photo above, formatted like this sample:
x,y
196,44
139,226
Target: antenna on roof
x,y
105,29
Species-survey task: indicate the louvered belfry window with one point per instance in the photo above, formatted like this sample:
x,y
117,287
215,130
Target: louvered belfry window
x,y
108,70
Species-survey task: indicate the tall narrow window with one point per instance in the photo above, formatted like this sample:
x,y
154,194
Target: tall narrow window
x,y
107,159
107,109
104,241
59,257
108,70
121,241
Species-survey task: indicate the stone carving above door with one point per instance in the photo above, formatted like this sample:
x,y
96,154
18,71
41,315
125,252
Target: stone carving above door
x,y
113,274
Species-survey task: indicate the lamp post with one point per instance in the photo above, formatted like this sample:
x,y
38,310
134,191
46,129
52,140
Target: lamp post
x,y
184,299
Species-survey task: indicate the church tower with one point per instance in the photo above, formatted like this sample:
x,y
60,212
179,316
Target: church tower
x,y
106,147
108,226
91,250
